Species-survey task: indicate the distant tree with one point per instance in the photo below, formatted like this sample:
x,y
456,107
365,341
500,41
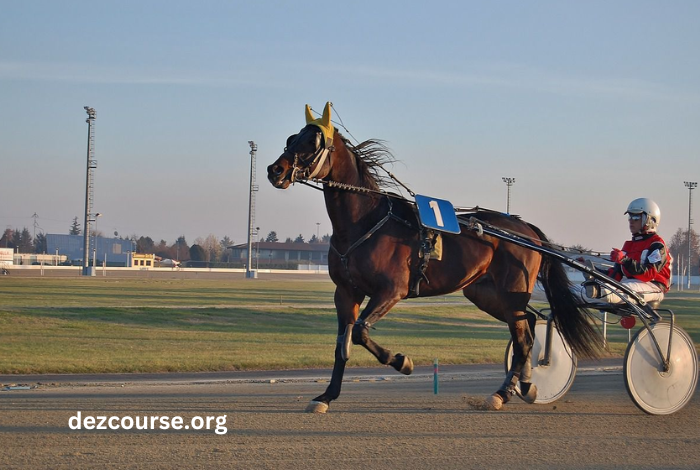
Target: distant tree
x,y
16,238
24,241
75,227
197,253
578,248
180,249
288,240
211,246
7,237
678,247
198,241
272,237
40,243
326,238
299,239
162,250
313,239
145,245
226,251
226,242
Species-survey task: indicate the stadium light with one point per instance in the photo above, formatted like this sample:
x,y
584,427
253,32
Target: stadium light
x,y
509,182
690,185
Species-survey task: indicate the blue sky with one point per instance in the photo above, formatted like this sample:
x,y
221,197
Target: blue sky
x,y
588,105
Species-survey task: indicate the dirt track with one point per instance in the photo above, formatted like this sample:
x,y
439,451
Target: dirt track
x,y
377,423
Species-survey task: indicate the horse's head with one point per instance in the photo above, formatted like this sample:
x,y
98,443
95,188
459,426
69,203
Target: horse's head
x,y
306,154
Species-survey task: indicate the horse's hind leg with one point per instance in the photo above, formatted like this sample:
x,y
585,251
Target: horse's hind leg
x,y
522,348
376,308
528,391
523,330
508,307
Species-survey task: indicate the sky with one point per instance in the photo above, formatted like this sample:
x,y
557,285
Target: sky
x,y
588,105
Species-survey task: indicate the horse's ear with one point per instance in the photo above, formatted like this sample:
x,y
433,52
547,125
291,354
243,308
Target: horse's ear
x,y
309,116
326,119
323,123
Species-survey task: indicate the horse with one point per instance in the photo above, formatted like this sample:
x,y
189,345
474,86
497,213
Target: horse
x,y
377,251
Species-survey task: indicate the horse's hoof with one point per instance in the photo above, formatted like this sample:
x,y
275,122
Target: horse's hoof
x,y
317,407
404,364
494,402
528,392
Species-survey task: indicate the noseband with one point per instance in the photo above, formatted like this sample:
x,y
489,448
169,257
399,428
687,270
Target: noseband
x,y
307,168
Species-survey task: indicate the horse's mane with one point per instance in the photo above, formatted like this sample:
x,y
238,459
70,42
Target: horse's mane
x,y
371,156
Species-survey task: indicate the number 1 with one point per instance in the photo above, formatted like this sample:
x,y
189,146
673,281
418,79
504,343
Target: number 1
x,y
438,216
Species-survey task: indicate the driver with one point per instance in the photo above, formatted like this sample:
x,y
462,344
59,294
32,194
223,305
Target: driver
x,y
643,264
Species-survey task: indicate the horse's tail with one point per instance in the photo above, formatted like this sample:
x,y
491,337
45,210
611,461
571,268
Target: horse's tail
x,y
571,319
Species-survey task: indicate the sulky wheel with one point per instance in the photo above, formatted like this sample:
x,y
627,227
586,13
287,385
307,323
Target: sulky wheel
x,y
652,389
553,380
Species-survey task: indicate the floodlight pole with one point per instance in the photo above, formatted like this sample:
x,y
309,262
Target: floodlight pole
x,y
509,182
89,190
250,273
690,185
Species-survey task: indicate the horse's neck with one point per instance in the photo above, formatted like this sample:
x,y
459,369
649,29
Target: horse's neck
x,y
348,210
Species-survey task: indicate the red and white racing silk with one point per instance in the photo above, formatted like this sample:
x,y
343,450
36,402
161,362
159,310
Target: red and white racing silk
x,y
646,259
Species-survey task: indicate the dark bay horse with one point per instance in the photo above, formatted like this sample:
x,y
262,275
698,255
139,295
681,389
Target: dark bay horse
x,y
376,253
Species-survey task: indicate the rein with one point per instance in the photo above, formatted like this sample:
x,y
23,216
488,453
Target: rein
x,y
469,224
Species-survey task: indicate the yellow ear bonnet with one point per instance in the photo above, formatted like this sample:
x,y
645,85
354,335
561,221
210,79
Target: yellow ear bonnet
x,y
323,123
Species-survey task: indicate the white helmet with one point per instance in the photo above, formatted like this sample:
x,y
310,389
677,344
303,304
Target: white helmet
x,y
651,214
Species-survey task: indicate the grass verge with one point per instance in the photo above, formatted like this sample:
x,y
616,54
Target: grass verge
x,y
56,325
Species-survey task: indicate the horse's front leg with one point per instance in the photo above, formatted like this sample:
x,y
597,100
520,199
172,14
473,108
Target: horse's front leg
x,y
376,308
347,304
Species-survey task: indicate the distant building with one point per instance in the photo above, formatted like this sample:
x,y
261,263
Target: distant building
x,y
38,258
143,260
114,251
6,257
269,253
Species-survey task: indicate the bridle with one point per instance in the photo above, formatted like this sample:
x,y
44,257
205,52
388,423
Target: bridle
x,y
304,169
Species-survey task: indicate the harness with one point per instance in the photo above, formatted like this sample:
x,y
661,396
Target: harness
x,y
315,160
427,240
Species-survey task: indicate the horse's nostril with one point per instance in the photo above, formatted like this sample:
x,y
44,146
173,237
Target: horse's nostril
x,y
275,171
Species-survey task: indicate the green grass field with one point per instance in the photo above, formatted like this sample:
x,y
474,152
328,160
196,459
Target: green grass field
x,y
71,325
